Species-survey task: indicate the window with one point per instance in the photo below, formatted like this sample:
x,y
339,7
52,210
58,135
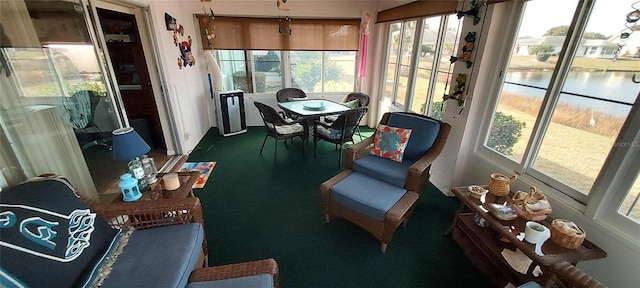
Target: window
x,y
559,111
311,71
418,67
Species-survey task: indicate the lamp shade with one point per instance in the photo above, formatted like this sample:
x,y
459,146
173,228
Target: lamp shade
x,y
127,144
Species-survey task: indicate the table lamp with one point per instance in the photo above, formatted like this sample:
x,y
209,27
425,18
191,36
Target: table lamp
x,y
129,146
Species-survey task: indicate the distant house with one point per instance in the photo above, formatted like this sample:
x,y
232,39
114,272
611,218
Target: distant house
x,y
594,48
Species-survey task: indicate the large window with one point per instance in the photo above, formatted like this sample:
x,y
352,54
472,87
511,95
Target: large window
x,y
418,67
560,109
259,71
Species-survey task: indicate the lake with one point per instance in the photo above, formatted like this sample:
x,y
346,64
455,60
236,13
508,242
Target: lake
x,y
607,85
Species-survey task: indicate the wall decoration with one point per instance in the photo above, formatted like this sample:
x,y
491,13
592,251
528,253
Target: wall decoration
x,y
466,50
458,90
184,46
472,12
285,27
171,22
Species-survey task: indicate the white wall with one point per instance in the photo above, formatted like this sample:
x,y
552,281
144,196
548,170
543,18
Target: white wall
x,y
460,164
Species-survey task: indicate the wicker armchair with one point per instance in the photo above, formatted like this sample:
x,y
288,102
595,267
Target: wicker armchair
x,y
280,128
418,173
338,132
236,271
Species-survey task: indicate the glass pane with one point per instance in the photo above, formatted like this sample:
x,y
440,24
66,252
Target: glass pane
x,y
531,65
425,65
631,206
306,70
587,125
51,128
267,67
232,63
405,61
392,58
339,71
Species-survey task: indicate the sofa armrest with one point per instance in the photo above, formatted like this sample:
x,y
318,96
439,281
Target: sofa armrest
x,y
358,150
266,266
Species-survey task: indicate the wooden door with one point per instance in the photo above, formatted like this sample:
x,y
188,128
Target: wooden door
x,y
130,68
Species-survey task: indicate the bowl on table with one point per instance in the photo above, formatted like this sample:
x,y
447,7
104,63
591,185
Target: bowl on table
x,y
477,191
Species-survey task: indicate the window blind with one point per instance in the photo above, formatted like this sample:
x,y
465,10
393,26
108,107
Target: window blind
x,y
246,33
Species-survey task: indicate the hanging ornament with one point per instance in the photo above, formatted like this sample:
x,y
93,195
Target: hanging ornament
x,y
280,5
466,50
458,90
472,12
209,27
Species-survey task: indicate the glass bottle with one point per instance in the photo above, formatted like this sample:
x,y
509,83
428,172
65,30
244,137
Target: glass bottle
x,y
136,169
150,171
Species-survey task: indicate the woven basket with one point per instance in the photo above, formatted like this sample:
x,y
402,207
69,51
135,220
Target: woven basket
x,y
566,234
520,201
499,185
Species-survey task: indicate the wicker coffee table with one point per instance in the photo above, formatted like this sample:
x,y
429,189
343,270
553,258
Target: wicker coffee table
x,y
157,191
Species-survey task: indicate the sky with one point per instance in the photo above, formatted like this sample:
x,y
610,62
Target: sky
x,y
608,16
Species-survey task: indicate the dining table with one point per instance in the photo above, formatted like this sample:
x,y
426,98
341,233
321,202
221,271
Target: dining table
x,y
312,110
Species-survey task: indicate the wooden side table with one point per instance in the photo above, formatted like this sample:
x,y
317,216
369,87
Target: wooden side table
x,y
484,249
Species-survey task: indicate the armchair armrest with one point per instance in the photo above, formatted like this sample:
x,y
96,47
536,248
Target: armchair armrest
x,y
266,266
358,150
420,169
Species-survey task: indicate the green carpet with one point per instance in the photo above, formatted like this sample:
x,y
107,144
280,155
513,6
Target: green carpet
x,y
255,209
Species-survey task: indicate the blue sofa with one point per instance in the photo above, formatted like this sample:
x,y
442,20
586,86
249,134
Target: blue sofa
x,y
51,237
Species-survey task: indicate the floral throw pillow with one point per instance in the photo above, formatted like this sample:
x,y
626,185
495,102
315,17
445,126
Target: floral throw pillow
x,y
389,142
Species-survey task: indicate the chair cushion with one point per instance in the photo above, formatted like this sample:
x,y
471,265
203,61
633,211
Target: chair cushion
x,y
392,172
158,257
49,235
390,142
423,134
287,129
253,281
334,134
366,195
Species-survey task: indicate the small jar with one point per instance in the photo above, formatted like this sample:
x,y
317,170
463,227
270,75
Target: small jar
x,y
129,188
150,171
136,169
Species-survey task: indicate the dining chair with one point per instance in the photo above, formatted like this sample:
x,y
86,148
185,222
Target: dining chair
x,y
280,128
288,95
362,101
339,131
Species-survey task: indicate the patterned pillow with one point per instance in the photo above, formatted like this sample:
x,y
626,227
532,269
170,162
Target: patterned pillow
x,y
389,142
353,104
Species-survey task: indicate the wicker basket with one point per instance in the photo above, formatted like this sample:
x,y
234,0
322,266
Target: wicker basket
x,y
520,201
499,185
567,234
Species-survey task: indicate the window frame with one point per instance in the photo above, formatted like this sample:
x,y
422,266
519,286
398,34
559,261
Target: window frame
x,y
617,173
285,70
436,68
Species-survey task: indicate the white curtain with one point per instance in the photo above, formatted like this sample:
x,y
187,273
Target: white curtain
x,y
34,139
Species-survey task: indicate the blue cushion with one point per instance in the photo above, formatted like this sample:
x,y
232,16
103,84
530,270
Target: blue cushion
x,y
423,134
387,170
530,284
366,195
158,257
253,281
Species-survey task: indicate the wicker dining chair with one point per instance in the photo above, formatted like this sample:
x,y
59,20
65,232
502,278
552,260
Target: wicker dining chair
x,y
363,101
280,128
285,95
338,132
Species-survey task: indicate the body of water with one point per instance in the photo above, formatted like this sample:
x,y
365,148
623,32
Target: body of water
x,y
607,85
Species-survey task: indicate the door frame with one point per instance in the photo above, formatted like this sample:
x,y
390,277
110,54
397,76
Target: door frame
x,y
151,51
